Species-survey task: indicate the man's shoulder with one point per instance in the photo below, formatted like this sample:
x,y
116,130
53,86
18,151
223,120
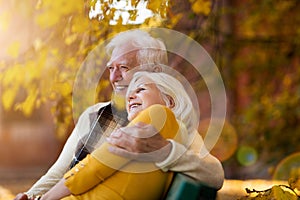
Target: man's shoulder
x,y
95,108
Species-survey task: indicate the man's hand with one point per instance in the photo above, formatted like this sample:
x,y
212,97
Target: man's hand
x,y
21,196
140,142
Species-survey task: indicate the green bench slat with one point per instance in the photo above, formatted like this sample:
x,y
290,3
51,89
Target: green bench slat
x,y
187,188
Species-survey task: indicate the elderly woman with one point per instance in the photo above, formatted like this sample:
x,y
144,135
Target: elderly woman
x,y
152,98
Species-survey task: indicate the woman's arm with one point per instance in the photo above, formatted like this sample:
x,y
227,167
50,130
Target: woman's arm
x,y
101,164
57,192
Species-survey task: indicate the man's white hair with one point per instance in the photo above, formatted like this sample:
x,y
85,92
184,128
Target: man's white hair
x,y
150,50
170,86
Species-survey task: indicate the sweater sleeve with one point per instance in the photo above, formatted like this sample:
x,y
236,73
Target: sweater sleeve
x,y
101,164
194,161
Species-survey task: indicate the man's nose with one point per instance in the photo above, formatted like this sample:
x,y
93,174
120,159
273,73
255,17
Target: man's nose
x,y
116,74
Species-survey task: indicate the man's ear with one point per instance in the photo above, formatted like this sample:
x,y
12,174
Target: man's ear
x,y
157,68
171,102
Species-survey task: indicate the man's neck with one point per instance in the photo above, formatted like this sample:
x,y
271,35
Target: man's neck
x,y
121,114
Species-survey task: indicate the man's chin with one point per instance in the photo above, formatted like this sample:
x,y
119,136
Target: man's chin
x,y
118,99
121,93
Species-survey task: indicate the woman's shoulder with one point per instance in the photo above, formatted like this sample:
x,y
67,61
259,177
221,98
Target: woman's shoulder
x,y
158,108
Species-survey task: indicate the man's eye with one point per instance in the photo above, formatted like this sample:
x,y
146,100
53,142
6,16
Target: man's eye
x,y
124,68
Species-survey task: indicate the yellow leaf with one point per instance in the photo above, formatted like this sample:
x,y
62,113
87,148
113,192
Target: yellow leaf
x,y
134,3
64,89
70,39
13,49
153,22
33,71
294,180
154,5
174,20
46,20
80,25
93,3
54,52
28,105
8,76
279,193
71,63
8,98
202,7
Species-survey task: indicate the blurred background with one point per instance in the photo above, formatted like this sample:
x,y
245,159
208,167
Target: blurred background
x,y
255,45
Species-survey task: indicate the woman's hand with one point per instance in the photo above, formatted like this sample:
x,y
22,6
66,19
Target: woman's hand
x,y
21,196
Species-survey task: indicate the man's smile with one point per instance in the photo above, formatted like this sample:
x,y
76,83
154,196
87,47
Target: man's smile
x,y
120,87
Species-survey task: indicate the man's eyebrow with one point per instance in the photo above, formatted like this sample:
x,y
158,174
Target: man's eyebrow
x,y
124,62
108,64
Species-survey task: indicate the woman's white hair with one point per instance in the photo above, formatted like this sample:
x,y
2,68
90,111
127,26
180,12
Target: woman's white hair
x,y
170,86
150,50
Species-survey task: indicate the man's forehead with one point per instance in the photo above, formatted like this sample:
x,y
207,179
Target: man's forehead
x,y
124,58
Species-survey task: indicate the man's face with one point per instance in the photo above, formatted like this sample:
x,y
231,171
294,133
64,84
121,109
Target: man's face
x,y
120,67
144,94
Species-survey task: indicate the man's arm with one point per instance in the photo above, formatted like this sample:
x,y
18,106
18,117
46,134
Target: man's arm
x,y
194,161
140,142
54,174
57,170
61,166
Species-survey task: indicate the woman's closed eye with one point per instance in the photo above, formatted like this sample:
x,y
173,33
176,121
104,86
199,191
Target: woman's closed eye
x,y
140,89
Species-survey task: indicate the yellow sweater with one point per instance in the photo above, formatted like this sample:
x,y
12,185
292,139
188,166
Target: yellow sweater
x,y
103,175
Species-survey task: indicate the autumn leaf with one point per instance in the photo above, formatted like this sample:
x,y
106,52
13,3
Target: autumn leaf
x,y
28,105
64,89
47,20
8,97
70,39
281,192
294,180
201,7
80,25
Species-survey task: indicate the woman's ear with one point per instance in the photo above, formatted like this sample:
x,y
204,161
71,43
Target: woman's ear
x,y
171,102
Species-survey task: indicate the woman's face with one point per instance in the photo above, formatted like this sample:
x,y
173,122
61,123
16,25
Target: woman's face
x,y
144,94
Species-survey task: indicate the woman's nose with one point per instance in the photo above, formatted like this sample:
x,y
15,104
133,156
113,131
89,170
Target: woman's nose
x,y
131,96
